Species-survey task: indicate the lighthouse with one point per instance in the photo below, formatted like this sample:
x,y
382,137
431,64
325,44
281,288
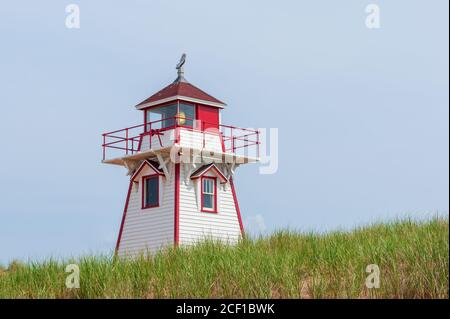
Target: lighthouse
x,y
181,162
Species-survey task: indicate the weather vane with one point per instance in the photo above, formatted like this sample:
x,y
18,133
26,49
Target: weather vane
x,y
180,68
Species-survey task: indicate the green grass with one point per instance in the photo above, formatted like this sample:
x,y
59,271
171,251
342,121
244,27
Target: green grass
x,y
412,256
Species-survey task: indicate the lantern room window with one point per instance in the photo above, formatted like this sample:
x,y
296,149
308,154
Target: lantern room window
x,y
186,114
166,116
209,194
150,191
161,117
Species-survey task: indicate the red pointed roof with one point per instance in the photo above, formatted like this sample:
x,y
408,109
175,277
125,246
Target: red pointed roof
x,y
182,90
152,164
205,169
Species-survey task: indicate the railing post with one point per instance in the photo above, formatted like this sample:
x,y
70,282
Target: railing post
x,y
150,136
202,126
126,141
246,151
232,139
177,131
234,144
104,147
257,144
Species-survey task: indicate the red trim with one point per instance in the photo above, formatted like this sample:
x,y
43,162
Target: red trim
x,y
207,210
196,117
144,178
123,217
221,140
177,135
145,120
204,170
177,205
236,204
140,143
144,163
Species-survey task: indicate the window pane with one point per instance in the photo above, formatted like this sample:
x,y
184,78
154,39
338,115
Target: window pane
x,y
153,116
208,193
164,115
151,191
187,114
169,114
208,186
208,201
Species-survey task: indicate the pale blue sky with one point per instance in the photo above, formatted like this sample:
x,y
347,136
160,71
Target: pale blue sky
x,y
363,115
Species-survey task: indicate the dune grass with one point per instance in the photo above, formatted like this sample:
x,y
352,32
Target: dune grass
x,y
412,257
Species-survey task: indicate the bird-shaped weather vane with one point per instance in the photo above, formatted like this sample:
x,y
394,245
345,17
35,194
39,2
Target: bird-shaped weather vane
x,y
180,68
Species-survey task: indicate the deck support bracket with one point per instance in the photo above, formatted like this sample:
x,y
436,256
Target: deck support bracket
x,y
188,170
163,165
131,166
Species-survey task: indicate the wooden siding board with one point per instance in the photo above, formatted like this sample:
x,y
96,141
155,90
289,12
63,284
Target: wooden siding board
x,y
148,229
196,226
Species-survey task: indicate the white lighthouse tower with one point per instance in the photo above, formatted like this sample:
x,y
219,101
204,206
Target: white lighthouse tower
x,y
181,162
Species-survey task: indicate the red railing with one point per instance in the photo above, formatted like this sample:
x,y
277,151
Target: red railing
x,y
127,141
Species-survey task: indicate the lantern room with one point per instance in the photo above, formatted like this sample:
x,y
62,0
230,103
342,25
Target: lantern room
x,y
182,104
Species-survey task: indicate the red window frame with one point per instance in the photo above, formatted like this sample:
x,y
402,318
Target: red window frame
x,y
205,209
144,179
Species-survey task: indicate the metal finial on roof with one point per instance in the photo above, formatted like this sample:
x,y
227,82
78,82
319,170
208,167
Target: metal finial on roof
x,y
180,69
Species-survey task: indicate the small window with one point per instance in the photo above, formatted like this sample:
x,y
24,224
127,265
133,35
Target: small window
x,y
150,193
186,115
209,194
161,117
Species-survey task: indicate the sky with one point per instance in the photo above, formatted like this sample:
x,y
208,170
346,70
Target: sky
x,y
362,113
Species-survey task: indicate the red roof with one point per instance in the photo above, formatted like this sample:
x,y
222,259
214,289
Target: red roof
x,y
181,89
152,164
206,168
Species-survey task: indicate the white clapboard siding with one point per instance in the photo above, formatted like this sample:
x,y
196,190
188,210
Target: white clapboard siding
x,y
188,138
147,230
196,226
167,140
200,140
